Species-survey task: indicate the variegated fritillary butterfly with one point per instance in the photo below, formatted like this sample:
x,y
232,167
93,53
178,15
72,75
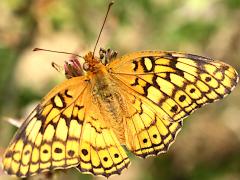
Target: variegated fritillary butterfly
x,y
138,100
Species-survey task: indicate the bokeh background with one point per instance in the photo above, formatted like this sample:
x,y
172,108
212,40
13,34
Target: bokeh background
x,y
208,147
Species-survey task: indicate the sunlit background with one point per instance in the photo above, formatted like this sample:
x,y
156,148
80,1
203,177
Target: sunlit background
x,y
208,147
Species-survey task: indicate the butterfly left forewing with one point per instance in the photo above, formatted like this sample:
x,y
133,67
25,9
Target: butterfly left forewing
x,y
66,130
42,142
178,83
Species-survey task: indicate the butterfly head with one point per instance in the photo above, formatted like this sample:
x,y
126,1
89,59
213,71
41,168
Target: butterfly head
x,y
91,62
73,68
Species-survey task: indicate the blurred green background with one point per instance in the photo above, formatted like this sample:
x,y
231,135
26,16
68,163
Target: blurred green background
x,y
208,147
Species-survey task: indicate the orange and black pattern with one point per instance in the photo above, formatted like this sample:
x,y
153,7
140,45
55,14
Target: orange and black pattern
x,y
138,100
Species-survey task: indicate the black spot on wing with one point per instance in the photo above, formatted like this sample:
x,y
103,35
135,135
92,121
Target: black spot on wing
x,y
154,81
174,108
182,98
58,150
84,152
135,65
192,90
135,82
71,153
66,93
145,88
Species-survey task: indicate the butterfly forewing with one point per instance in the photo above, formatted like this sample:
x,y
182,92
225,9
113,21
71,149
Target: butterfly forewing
x,y
65,130
40,143
178,83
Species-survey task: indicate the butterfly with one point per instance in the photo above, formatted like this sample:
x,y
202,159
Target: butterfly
x,y
138,101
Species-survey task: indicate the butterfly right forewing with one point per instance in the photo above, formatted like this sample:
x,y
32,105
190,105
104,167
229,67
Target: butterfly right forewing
x,y
178,83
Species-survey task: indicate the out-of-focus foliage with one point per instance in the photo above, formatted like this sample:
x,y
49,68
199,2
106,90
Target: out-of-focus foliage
x,y
208,147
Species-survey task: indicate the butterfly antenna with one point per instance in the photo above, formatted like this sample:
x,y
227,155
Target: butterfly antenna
x,y
62,52
104,22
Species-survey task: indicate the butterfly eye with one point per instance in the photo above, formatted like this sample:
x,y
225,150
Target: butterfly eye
x,y
86,66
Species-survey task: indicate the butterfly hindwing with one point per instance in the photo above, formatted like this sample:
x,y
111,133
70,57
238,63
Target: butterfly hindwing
x,y
149,131
178,83
100,150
